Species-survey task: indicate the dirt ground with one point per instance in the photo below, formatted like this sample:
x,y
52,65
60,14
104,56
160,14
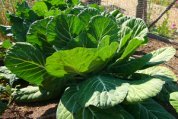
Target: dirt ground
x,y
44,110
129,7
47,110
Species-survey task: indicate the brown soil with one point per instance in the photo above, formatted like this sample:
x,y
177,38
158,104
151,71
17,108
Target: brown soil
x,y
47,110
42,110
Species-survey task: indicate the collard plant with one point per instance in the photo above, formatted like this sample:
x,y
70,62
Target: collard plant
x,y
85,57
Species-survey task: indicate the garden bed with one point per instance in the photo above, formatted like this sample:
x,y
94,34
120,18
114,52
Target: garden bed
x,y
47,110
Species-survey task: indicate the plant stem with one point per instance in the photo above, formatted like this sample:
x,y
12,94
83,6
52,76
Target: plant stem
x,y
165,11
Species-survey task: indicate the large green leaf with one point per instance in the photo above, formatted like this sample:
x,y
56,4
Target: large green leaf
x,y
27,62
116,112
166,75
40,8
131,48
101,26
63,29
47,91
138,27
168,88
87,14
129,67
102,92
160,72
37,31
148,110
68,106
143,89
131,29
19,28
37,35
79,61
160,56
75,61
174,100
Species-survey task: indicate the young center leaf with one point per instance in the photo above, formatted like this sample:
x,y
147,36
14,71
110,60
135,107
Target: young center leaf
x,y
79,61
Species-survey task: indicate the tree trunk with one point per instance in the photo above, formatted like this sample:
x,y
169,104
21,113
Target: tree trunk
x,y
91,1
142,10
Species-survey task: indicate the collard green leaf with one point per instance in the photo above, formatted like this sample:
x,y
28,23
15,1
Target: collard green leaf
x,y
87,14
37,31
27,62
174,100
138,27
148,110
75,61
68,106
160,72
37,35
114,13
121,20
6,44
51,88
63,29
19,28
130,48
35,94
79,61
22,9
7,75
77,9
56,2
73,2
102,92
163,74
160,56
140,90
129,67
168,88
116,112
131,28
53,12
40,8
124,38
101,26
